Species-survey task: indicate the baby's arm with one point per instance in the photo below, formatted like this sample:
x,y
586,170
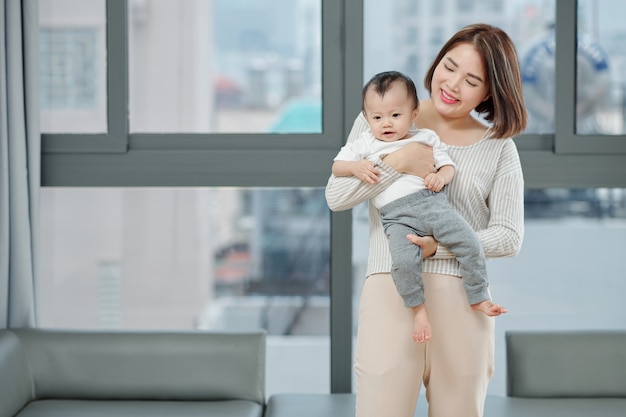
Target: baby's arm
x,y
436,180
364,170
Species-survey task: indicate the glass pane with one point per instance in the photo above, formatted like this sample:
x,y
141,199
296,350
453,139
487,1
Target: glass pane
x,y
406,35
601,84
546,286
225,66
72,66
194,258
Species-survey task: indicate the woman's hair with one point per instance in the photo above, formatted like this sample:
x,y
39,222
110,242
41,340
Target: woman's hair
x,y
505,107
382,82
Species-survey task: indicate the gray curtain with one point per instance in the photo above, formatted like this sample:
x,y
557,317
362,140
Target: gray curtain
x,y
20,149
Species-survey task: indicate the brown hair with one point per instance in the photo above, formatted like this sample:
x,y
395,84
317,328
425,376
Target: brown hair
x,y
381,83
505,107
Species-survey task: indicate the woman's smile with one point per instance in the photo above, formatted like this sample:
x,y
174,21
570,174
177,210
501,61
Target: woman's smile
x,y
446,98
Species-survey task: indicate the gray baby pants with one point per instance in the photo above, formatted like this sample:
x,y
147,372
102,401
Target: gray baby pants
x,y
429,213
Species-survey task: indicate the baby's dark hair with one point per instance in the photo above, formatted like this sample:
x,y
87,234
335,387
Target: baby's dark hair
x,y
382,81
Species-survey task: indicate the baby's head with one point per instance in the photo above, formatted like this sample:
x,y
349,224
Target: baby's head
x,y
390,104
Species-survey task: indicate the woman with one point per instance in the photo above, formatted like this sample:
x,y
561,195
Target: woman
x,y
477,69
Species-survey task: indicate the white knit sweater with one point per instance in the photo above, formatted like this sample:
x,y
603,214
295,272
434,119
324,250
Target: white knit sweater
x,y
487,190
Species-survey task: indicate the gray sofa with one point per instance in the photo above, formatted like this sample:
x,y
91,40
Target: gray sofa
x,y
158,374
564,374
549,374
193,374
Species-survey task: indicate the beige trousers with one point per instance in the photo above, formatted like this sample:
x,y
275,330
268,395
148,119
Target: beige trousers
x,y
455,366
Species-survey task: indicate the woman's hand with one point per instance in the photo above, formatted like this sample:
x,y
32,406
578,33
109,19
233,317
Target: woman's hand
x,y
414,158
427,243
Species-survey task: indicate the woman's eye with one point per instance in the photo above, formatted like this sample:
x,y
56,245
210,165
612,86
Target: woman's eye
x,y
471,83
447,67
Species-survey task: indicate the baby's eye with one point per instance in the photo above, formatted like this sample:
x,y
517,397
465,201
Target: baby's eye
x,y
396,115
376,117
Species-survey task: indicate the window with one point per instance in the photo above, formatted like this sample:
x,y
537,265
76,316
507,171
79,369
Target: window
x,y
73,66
204,258
205,78
544,287
601,83
524,21
185,258
154,232
585,125
224,66
104,151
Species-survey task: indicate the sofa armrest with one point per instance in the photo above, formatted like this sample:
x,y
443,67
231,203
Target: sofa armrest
x,y
566,364
16,385
138,365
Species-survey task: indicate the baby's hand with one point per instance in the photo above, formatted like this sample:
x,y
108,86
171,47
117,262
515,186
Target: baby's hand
x,y
434,182
366,171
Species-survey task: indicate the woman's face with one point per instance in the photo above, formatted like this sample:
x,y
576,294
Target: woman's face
x,y
459,82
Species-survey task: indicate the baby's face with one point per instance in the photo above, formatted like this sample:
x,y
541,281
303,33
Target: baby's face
x,y
390,116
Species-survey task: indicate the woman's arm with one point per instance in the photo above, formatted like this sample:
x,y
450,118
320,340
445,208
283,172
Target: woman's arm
x,y
414,158
343,193
505,231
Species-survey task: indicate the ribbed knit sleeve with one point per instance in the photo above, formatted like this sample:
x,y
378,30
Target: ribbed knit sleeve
x,y
505,227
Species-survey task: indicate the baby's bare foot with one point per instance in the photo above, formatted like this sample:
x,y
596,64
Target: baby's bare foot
x,y
421,329
489,308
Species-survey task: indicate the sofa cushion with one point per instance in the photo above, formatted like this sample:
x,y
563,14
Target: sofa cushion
x,y
566,364
342,405
310,405
321,405
192,366
85,408
498,406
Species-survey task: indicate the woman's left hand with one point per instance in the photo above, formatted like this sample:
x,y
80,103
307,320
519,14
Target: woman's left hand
x,y
427,243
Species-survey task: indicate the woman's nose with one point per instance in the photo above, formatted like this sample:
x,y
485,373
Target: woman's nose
x,y
454,82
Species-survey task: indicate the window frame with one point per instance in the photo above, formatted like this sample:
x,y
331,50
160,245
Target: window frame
x,y
119,158
115,140
567,141
565,159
